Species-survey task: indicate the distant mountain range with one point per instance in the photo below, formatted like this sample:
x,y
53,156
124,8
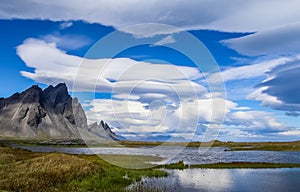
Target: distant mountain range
x,y
49,113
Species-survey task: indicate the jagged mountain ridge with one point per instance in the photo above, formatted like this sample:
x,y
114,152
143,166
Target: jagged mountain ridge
x,y
102,130
49,113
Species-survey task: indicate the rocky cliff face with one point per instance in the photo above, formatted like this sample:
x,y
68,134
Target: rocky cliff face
x,y
37,113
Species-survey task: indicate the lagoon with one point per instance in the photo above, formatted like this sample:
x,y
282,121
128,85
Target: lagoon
x,y
190,155
234,180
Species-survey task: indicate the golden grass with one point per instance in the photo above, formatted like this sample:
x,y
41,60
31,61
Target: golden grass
x,y
22,170
41,173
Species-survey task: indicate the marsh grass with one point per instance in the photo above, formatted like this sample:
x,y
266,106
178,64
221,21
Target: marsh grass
x,y
22,170
231,165
246,165
131,161
42,173
269,146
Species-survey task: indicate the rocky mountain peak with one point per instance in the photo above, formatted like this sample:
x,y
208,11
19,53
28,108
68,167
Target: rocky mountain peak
x,y
55,95
49,113
35,112
102,130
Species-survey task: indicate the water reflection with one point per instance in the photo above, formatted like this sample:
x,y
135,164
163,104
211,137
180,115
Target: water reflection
x,y
224,180
204,179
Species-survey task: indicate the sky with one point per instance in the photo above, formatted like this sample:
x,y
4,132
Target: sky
x,y
163,70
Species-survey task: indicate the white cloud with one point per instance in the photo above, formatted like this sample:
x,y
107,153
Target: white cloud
x,y
133,116
197,118
281,40
67,42
242,108
250,71
255,121
280,90
234,15
151,98
65,25
267,100
295,132
166,40
121,75
275,24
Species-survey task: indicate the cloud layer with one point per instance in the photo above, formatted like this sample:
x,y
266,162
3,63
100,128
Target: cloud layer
x,y
146,97
120,75
271,42
280,90
249,16
165,97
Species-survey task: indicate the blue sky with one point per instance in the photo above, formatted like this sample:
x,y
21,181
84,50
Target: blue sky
x,y
143,78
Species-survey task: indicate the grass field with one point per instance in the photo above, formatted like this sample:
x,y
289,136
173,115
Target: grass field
x,y
21,170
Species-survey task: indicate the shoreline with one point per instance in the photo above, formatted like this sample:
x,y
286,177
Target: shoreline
x,y
231,165
229,146
68,172
150,161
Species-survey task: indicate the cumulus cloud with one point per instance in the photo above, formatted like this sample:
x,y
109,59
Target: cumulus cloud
x,y
255,122
190,119
134,116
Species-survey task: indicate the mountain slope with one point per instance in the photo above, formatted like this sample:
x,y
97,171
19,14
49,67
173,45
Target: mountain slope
x,y
102,130
49,113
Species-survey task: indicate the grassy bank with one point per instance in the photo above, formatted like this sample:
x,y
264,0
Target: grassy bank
x,y
269,146
22,170
234,146
232,165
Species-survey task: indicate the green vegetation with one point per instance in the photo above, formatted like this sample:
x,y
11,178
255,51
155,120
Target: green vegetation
x,y
265,146
269,146
131,161
232,165
22,170
250,165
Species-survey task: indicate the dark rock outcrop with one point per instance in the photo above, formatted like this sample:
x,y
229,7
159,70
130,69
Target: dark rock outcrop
x,y
49,113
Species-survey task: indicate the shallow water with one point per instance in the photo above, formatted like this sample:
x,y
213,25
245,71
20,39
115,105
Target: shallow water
x,y
236,180
190,155
225,180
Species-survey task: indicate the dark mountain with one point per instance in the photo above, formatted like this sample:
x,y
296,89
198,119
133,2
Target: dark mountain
x,y
49,113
